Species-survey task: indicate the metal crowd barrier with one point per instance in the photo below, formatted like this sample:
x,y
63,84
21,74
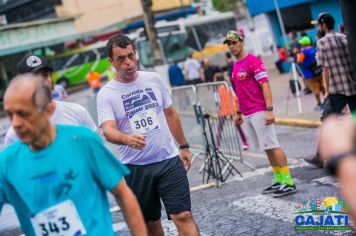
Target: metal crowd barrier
x,y
183,98
215,101
91,103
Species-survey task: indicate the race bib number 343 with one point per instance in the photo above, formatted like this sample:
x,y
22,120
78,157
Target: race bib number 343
x,y
61,219
144,122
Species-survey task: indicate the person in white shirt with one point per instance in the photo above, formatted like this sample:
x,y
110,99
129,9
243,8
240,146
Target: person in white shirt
x,y
59,93
65,112
135,112
192,68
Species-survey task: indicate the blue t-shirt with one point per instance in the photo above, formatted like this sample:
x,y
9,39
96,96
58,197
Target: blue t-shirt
x,y
175,75
309,61
76,167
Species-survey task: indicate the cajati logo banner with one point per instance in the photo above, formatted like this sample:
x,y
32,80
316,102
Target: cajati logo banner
x,y
317,214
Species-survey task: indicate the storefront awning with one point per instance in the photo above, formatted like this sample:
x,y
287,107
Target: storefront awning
x,y
21,37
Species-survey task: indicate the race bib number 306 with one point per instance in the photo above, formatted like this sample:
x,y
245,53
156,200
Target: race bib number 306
x,y
61,219
144,122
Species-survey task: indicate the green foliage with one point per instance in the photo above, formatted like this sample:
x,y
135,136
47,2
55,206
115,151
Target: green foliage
x,y
224,5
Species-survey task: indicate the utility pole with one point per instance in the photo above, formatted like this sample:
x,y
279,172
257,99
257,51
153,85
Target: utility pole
x,y
281,24
151,31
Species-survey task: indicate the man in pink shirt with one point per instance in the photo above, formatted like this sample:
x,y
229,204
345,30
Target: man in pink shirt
x,y
250,81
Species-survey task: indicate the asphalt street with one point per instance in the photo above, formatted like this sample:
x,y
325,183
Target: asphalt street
x,y
237,207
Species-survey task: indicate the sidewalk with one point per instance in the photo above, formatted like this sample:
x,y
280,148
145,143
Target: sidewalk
x,y
285,103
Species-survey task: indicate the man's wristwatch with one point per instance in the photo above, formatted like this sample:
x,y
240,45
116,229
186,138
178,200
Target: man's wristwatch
x,y
269,108
184,146
335,160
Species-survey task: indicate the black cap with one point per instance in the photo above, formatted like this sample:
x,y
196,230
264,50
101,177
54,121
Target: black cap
x,y
326,18
32,64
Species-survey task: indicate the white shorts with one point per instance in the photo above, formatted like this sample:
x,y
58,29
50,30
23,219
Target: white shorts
x,y
261,135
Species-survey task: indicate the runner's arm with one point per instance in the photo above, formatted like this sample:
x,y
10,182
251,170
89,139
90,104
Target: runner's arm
x,y
113,135
175,127
267,94
326,79
130,208
323,61
337,136
347,179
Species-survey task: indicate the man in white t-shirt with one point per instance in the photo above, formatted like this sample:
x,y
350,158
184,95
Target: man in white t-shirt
x,y
65,112
135,112
192,68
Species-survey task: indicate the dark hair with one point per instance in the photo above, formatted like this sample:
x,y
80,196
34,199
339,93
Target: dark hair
x,y
320,34
294,34
302,34
118,40
327,19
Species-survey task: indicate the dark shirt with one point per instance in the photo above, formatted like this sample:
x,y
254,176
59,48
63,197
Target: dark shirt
x,y
209,73
294,44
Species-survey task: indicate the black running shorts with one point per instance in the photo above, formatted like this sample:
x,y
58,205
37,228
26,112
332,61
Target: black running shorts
x,y
166,180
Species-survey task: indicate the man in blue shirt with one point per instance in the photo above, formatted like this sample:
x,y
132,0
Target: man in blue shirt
x,y
56,177
312,73
175,75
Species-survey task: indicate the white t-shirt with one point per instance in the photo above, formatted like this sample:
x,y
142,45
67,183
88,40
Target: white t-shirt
x,y
66,113
192,67
137,107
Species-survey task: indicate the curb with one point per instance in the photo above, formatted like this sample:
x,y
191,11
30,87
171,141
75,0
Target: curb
x,y
279,121
298,123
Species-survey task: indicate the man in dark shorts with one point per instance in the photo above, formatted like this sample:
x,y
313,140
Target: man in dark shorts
x,y
135,111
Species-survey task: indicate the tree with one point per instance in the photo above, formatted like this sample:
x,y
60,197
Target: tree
x,y
151,31
224,5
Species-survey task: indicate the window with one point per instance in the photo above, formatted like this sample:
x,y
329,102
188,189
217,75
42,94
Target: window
x,y
145,54
297,18
173,46
35,10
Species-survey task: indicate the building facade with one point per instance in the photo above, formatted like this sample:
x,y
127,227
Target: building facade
x,y
90,15
297,15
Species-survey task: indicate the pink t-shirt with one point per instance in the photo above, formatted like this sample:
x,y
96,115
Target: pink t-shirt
x,y
248,75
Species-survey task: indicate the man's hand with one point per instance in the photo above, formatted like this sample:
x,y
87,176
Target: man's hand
x,y
137,141
238,120
336,136
269,118
186,158
326,94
